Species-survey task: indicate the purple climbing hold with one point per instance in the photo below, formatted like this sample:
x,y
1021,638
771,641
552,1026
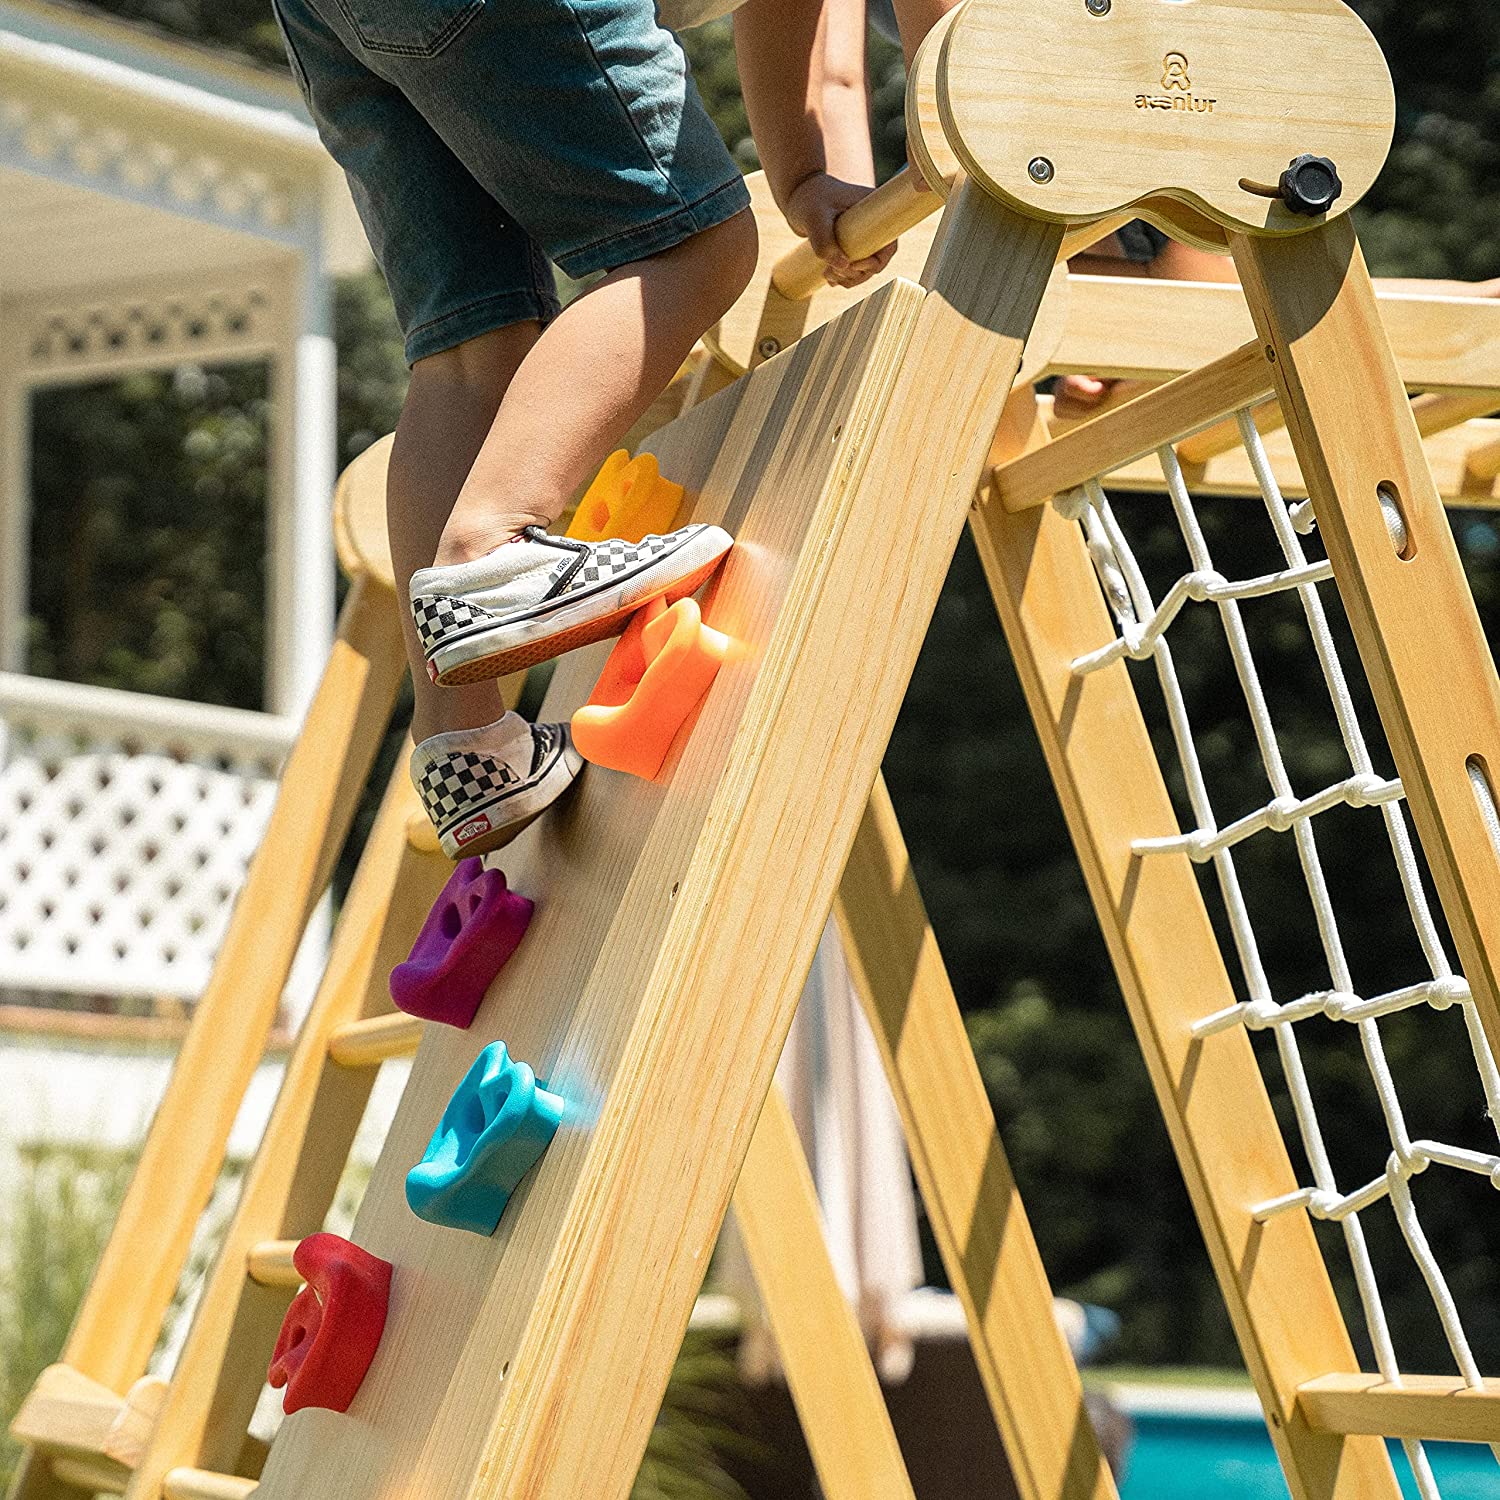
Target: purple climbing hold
x,y
473,928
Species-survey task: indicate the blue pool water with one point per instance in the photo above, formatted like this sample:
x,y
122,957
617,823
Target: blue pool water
x,y
1187,1456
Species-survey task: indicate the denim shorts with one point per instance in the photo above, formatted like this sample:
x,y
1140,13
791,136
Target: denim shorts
x,y
483,138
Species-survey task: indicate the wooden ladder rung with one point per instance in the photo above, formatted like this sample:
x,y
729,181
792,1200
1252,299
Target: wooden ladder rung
x,y
199,1484
85,1423
270,1263
365,1044
1437,1408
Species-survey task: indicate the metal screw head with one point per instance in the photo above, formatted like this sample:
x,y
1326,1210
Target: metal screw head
x,y
1097,7
1039,169
767,347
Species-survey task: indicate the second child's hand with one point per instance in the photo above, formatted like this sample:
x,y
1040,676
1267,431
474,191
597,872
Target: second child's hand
x,y
812,207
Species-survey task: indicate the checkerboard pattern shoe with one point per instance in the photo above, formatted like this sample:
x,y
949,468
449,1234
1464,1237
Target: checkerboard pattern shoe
x,y
481,787
541,595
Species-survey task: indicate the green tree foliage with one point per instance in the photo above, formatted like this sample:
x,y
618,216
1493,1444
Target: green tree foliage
x,y
149,495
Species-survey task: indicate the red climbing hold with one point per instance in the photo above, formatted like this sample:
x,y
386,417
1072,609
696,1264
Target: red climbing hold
x,y
473,928
333,1327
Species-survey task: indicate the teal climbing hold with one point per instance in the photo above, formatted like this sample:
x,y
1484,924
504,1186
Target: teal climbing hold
x,y
494,1130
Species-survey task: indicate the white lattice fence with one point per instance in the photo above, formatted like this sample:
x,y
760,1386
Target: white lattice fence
x,y
126,825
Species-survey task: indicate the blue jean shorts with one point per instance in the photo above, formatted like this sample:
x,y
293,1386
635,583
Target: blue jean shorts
x,y
483,138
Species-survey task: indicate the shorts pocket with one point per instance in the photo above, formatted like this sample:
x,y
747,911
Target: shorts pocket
x,y
409,28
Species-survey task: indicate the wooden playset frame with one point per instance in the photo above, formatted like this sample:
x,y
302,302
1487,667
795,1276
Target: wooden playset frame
x,y
864,430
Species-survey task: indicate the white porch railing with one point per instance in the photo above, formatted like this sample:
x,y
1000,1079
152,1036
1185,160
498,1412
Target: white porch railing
x,y
126,825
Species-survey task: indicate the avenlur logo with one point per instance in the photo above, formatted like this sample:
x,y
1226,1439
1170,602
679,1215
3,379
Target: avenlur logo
x,y
1177,87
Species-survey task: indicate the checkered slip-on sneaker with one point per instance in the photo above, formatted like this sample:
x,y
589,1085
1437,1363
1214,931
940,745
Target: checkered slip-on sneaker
x,y
541,595
481,787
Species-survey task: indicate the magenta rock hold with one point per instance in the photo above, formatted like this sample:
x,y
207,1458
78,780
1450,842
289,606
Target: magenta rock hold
x,y
473,928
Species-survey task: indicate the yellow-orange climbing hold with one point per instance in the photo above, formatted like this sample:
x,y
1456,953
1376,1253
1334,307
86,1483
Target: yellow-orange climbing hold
x,y
628,499
654,678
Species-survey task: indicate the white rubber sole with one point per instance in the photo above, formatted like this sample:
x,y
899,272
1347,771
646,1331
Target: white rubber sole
x,y
493,828
511,647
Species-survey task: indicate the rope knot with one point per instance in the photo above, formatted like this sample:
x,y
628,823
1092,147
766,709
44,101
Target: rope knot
x,y
1446,991
1281,813
1073,506
1364,788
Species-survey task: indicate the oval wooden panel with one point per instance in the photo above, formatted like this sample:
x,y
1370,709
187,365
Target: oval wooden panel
x,y
1163,98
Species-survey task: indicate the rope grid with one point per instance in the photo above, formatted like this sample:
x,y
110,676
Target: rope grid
x,y
1143,625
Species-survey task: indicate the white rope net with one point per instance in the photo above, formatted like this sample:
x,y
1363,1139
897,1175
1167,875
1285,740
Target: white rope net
x,y
1144,625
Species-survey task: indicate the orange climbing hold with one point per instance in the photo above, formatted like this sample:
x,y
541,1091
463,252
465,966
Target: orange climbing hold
x,y
628,499
654,677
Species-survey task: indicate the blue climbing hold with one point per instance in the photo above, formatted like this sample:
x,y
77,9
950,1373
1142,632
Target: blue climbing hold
x,y
494,1130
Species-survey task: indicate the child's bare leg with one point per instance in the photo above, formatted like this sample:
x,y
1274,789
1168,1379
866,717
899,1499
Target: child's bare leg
x,y
590,375
450,406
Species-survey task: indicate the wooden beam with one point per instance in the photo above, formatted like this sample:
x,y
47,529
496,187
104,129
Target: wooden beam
x,y
119,1321
973,1205
828,1368
1411,612
1432,1408
1139,426
1170,967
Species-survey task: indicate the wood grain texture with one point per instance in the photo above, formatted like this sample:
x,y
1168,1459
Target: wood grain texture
x,y
828,1367
1419,636
1169,966
1138,426
1140,328
763,322
1191,99
1228,473
1436,1408
67,1413
532,1363
296,1171
973,1205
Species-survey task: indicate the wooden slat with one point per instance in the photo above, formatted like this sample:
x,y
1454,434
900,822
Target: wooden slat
x,y
1139,426
973,1206
296,1171
374,1040
1171,970
201,1484
1436,413
1418,633
828,1368
1148,329
1435,1408
118,1324
66,1412
1483,462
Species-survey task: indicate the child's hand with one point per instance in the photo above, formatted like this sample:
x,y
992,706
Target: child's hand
x,y
811,209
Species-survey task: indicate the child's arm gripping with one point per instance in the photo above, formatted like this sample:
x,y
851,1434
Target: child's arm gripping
x,y
802,74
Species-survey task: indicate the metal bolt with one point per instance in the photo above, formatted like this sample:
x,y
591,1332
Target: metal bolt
x,y
1096,7
1039,169
767,347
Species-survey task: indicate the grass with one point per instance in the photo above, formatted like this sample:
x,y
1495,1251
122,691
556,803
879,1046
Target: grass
x,y
54,1227
1183,1377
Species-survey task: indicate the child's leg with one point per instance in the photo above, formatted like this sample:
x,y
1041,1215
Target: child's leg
x,y
591,374
450,406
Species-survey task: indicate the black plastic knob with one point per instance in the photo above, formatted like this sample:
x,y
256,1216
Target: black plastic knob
x,y
1310,185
